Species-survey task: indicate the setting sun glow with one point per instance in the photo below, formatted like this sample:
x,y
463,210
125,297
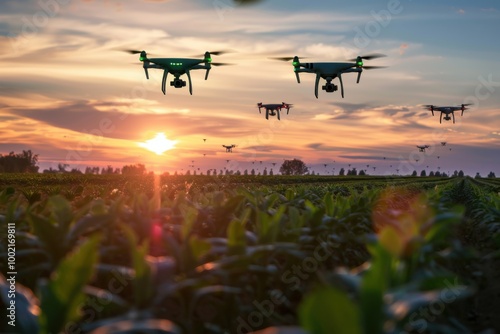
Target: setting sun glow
x,y
159,144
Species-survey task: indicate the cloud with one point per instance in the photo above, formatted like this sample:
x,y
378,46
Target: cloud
x,y
402,48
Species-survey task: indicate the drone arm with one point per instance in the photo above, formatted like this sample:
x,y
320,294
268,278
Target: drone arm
x,y
163,82
278,112
341,85
453,114
267,113
189,79
316,84
440,117
359,77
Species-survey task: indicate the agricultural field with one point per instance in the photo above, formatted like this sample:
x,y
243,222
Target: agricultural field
x,y
244,254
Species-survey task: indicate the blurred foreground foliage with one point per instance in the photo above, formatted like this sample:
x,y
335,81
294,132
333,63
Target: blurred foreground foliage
x,y
114,254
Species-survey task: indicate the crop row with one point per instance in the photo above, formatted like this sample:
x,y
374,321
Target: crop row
x,y
355,256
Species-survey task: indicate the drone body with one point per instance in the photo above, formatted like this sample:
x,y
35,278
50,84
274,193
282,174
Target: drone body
x,y
330,71
229,148
177,67
422,148
447,110
274,109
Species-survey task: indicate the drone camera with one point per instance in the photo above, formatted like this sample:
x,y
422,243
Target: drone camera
x,y
178,83
330,88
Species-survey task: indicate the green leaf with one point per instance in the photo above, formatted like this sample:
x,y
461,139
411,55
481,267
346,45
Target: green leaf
x,y
62,296
61,211
373,287
199,247
328,310
236,238
142,282
49,235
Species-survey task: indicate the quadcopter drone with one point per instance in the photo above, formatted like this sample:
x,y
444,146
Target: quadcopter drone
x,y
331,70
274,109
229,148
447,111
177,67
422,148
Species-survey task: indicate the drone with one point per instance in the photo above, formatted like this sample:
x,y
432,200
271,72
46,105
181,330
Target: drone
x,y
447,111
422,148
229,148
443,143
177,67
331,70
274,109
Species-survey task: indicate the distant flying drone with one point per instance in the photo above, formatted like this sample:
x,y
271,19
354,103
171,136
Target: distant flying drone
x,y
443,143
177,67
229,148
331,70
422,148
274,109
447,111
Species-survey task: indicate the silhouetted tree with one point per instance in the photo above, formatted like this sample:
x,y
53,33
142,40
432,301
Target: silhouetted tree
x,y
461,173
24,162
478,176
362,172
264,172
271,172
342,171
245,172
293,167
431,174
414,173
137,169
252,172
491,175
423,173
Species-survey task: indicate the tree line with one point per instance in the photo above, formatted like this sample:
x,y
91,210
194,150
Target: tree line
x,y
26,162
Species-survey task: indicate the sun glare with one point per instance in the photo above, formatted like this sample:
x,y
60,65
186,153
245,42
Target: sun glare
x,y
159,144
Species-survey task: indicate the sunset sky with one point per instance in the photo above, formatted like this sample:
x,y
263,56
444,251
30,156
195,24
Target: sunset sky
x,y
70,95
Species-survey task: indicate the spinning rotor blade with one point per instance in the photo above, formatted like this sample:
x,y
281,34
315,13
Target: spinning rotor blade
x,y
370,56
220,64
281,58
285,58
215,53
373,67
134,52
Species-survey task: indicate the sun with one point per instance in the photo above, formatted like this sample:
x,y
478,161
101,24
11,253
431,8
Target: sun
x,y
159,144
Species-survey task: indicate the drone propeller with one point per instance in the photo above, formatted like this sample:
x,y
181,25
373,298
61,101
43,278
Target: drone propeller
x,y
134,52
369,56
465,105
282,58
430,107
220,64
373,67
215,53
